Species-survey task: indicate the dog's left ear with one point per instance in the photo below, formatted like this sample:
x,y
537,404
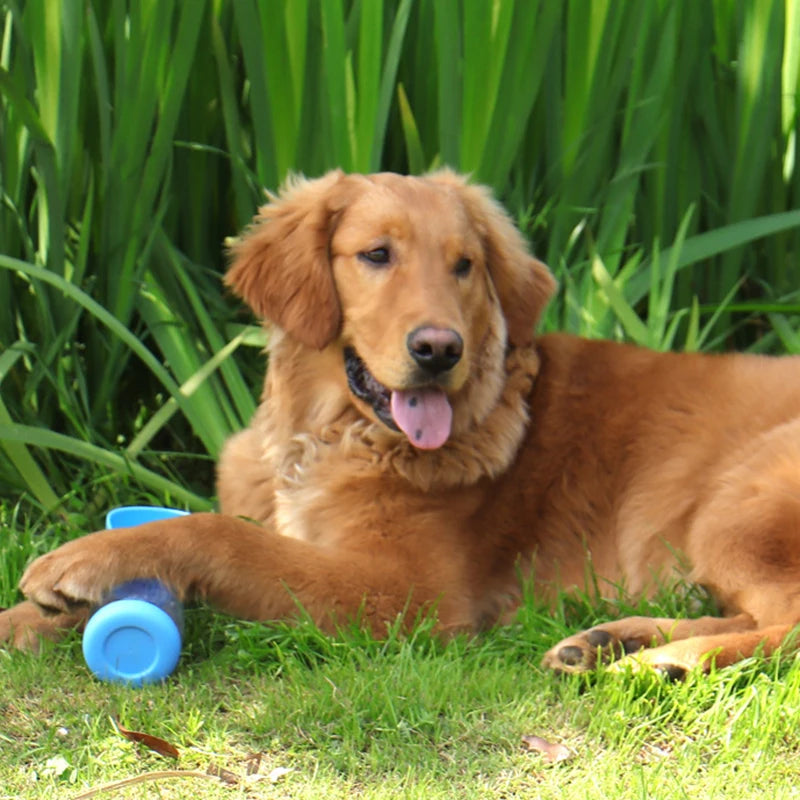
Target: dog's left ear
x,y
523,283
281,266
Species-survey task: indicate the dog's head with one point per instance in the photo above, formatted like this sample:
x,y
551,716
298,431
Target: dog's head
x,y
420,282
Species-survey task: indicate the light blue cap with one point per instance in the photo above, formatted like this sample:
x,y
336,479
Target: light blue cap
x,y
128,516
131,641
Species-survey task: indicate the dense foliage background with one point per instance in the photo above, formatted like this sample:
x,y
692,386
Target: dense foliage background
x,y
648,149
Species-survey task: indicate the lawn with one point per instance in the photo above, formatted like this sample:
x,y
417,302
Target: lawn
x,y
284,711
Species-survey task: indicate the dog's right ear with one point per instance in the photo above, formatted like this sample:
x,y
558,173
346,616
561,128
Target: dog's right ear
x,y
281,265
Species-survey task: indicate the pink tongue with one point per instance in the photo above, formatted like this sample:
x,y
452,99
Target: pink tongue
x,y
424,415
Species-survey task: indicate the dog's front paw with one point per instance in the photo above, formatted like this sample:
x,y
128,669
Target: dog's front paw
x,y
76,574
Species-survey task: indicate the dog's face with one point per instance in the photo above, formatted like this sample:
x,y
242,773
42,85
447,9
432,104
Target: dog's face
x,y
416,281
416,299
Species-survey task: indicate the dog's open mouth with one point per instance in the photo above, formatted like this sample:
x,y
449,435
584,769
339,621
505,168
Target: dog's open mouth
x,y
423,413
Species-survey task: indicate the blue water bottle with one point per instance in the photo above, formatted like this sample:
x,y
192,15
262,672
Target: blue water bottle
x,y
134,637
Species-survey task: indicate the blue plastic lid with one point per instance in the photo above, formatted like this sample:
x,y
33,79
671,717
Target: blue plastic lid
x,y
132,642
128,516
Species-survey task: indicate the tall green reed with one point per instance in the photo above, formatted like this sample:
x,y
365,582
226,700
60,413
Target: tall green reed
x,y
134,137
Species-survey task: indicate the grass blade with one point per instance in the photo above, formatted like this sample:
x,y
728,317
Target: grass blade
x,y
33,478
705,245
188,388
416,157
629,319
101,314
334,60
50,440
388,82
447,24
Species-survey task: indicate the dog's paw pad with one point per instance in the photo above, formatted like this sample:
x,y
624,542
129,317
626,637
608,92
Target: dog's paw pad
x,y
671,672
584,651
599,638
632,645
571,655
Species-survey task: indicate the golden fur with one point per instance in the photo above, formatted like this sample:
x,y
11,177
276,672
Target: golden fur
x,y
561,451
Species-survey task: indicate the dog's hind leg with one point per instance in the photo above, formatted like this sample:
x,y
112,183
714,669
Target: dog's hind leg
x,y
744,547
611,641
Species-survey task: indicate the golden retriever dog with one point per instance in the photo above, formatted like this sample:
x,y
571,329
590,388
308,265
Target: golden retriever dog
x,y
418,446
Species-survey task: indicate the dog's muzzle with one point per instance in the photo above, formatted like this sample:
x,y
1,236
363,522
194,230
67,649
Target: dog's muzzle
x,y
422,413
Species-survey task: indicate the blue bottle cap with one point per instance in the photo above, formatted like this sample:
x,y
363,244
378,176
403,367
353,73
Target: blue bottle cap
x,y
131,642
128,516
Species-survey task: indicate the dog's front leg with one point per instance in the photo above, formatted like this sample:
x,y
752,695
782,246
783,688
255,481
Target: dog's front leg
x,y
238,566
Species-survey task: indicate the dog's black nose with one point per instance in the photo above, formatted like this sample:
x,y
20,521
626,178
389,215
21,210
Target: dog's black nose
x,y
436,350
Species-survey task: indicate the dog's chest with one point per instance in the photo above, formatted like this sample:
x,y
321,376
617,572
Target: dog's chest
x,y
320,489
295,509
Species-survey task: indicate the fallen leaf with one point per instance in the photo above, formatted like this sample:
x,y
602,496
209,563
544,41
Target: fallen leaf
x,y
552,751
252,764
225,775
159,746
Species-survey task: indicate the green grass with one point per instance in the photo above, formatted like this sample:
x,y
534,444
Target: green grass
x,y
404,716
649,151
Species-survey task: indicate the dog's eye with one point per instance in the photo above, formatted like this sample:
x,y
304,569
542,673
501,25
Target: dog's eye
x,y
463,267
378,256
